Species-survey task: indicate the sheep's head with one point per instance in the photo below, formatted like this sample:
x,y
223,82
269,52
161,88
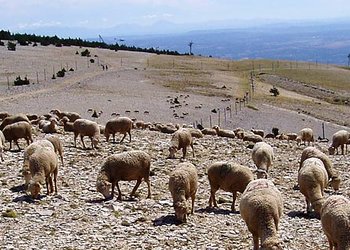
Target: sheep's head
x,y
335,182
34,189
317,205
180,211
172,151
331,150
103,187
261,174
26,174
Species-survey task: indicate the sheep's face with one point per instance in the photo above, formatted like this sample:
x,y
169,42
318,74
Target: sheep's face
x,y
335,183
34,189
103,187
180,211
331,150
172,151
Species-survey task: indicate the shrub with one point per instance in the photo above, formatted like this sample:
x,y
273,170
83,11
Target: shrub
x,y
61,73
2,43
71,69
11,46
19,81
53,76
86,52
92,60
274,91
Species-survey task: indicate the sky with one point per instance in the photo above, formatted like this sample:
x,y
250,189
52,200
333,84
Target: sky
x,y
29,15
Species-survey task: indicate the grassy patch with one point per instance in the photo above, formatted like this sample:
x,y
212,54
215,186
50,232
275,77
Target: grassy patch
x,y
9,213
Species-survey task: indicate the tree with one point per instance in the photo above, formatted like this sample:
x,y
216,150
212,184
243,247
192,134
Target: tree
x,y
349,60
11,46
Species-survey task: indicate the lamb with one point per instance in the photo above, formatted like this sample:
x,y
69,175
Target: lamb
x,y
57,144
67,125
261,208
313,179
126,166
50,127
305,135
339,139
252,137
72,116
333,176
224,132
2,144
12,119
42,165
262,155
181,139
15,131
230,177
335,219
258,132
183,184
88,128
122,125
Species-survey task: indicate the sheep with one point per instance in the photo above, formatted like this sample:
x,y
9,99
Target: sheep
x,y
292,136
181,139
12,119
335,220
28,151
126,166
50,127
57,144
88,128
2,144
196,133
282,137
258,132
339,139
42,165
3,115
140,124
183,184
333,176
32,117
261,208
72,116
67,125
262,155
208,131
305,135
252,137
230,177
15,131
122,125
224,132
312,180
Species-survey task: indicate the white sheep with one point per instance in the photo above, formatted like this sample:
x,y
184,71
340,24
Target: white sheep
x,y
339,139
262,155
2,145
335,219
126,166
224,132
84,127
305,135
13,119
42,165
17,130
230,177
181,139
122,125
312,180
310,152
261,208
50,127
183,184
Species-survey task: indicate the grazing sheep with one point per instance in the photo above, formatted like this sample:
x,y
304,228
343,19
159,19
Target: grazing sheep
x,y
312,180
305,135
122,125
72,116
208,131
88,128
252,137
339,139
126,166
28,151
335,219
230,177
42,165
262,155
15,131
50,127
2,144
12,119
224,132
261,208
67,125
333,176
181,139
183,184
57,144
258,132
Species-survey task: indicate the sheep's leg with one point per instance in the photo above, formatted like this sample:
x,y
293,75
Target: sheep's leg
x,y
129,136
122,138
212,197
113,137
82,141
308,206
51,184
234,194
342,149
184,150
256,242
10,145
55,178
193,197
192,149
75,139
119,193
136,187
113,186
47,182
330,243
16,141
148,187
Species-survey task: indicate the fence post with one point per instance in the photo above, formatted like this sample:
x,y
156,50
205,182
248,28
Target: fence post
x,y
219,117
323,134
45,75
8,82
37,77
210,125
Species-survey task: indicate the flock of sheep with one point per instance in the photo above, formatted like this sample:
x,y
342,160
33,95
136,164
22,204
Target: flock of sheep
x,y
261,203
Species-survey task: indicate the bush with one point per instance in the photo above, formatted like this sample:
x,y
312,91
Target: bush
x,y
86,52
274,91
61,73
11,46
92,60
53,76
19,81
35,44
2,43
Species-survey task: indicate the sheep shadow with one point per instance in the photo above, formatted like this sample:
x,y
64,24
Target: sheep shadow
x,y
110,199
216,210
303,215
25,198
18,189
166,220
96,201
